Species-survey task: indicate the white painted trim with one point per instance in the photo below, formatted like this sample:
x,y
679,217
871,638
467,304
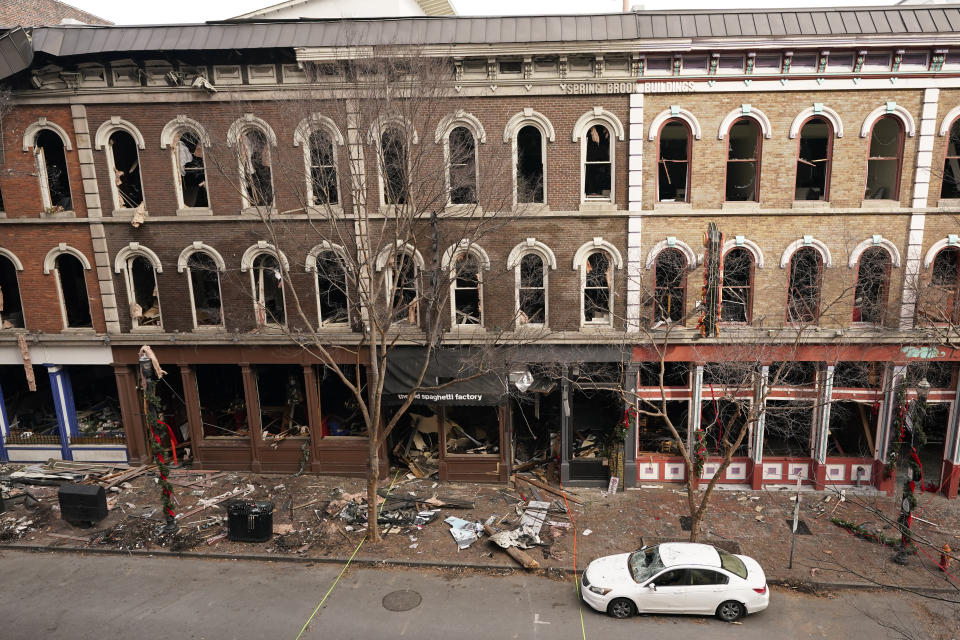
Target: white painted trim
x,y
528,116
311,263
460,118
49,262
948,120
9,255
936,248
199,246
792,248
172,129
745,111
136,249
262,246
747,244
681,114
383,258
385,122
464,246
33,130
247,121
597,244
531,245
116,123
825,112
692,258
867,244
597,114
301,135
908,124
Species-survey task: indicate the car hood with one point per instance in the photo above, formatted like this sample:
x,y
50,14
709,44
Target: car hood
x,y
609,571
755,576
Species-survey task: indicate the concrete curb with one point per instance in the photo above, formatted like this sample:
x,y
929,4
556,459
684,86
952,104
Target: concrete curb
x,y
421,564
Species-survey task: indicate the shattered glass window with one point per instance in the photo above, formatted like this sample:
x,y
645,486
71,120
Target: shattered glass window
x,y
532,291
205,287
813,160
598,166
142,292
52,166
951,164
596,288
331,288
395,167
126,170
670,284
529,165
463,167
803,296
268,290
466,290
743,156
404,301
188,155
673,168
323,171
11,309
873,279
73,289
883,165
737,285
257,177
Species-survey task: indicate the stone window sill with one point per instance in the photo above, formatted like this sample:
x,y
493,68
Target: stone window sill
x,y
194,211
590,206
740,206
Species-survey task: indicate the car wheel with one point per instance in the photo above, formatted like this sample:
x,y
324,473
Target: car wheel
x,y
621,608
730,611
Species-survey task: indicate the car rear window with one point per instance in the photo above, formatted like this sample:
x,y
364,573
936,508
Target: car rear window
x,y
733,564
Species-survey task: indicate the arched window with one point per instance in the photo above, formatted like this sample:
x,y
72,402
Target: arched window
x,y
813,160
204,281
267,281
11,308
188,164
737,292
257,175
530,161
597,289
531,290
72,287
463,166
467,290
673,162
142,295
743,161
323,169
951,164
597,149
884,162
403,279
945,282
803,296
670,282
394,162
873,279
124,163
51,161
331,289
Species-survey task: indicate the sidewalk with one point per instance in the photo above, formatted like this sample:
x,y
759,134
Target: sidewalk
x,y
757,521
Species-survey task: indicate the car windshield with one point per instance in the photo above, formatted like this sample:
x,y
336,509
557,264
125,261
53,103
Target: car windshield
x,y
645,564
733,564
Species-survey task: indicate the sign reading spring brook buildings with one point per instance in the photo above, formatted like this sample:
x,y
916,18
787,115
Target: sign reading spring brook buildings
x,y
591,88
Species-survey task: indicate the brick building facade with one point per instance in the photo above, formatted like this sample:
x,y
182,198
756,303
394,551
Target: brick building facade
x,y
821,146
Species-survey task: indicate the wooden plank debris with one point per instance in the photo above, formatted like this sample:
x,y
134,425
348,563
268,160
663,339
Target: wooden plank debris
x,y
522,558
548,488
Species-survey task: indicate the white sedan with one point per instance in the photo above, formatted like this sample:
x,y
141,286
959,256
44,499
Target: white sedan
x,y
676,577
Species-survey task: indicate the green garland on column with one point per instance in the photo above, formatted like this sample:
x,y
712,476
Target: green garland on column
x,y
154,406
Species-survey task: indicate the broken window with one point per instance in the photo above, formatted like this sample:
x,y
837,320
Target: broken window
x,y
463,167
743,161
283,406
268,290
205,290
323,170
722,420
596,289
98,410
473,430
951,164
673,166
736,294
257,176
595,417
52,168
339,411
529,165
670,285
675,374
125,163
653,432
803,297
393,148
794,373
73,291
532,291
188,156
31,415
536,416
223,405
787,428
883,164
142,292
467,290
597,163
936,426
873,277
813,160
857,374
941,300
404,283
852,428
939,374
331,288
11,309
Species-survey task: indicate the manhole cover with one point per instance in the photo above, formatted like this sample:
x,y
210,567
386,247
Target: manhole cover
x,y
403,600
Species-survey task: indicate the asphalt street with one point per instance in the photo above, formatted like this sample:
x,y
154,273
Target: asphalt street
x,y
78,597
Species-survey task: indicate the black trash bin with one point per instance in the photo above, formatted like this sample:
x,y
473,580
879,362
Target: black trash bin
x,y
249,521
81,504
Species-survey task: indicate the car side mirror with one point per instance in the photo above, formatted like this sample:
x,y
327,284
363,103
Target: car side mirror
x,y
652,587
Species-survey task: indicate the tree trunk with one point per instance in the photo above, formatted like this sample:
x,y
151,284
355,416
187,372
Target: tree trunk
x,y
373,481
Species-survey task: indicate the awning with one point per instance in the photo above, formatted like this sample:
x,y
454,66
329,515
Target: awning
x,y
474,383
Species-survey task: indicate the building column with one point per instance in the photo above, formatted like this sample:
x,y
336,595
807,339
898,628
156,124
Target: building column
x,y
564,424
756,453
131,414
191,396
821,429
631,375
63,403
694,414
634,205
252,397
4,428
950,474
893,379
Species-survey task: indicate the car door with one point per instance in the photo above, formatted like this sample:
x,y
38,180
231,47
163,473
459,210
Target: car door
x,y
665,592
708,588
